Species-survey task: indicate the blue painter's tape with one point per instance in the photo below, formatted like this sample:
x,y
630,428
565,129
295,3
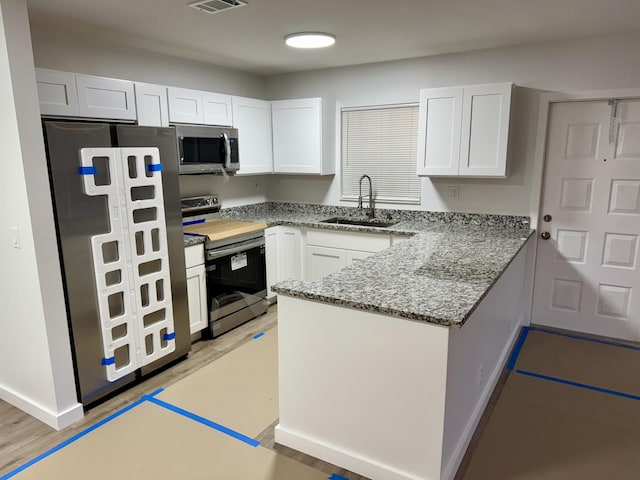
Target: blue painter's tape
x,y
108,361
335,476
193,222
197,418
579,385
594,340
154,167
149,396
258,335
70,440
169,336
87,170
516,351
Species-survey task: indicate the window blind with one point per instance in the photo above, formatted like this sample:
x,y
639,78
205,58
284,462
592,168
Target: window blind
x,y
381,142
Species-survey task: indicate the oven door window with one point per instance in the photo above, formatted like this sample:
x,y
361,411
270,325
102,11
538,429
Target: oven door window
x,y
198,150
236,277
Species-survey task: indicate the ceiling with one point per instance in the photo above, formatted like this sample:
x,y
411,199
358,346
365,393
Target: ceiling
x,y
251,38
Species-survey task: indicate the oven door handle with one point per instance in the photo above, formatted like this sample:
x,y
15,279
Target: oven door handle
x,y
240,247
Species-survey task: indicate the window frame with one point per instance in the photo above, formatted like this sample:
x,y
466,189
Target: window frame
x,y
348,197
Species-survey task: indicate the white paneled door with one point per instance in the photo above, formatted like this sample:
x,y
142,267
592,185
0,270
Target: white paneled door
x,y
587,276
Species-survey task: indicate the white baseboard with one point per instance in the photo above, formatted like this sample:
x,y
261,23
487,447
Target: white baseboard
x,y
332,454
451,468
56,420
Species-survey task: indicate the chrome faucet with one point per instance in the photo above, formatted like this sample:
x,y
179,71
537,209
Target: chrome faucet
x,y
370,212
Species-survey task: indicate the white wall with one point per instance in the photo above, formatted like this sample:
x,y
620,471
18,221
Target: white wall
x,y
36,372
60,44
236,191
597,63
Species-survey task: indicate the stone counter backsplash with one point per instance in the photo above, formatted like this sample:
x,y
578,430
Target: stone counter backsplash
x,y
278,209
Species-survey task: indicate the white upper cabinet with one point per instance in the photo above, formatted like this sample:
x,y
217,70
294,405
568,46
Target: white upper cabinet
x,y
439,131
297,137
217,109
151,105
185,106
195,106
464,131
252,118
57,92
100,97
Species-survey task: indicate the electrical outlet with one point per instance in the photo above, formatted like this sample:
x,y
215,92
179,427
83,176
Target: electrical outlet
x,y
480,374
453,192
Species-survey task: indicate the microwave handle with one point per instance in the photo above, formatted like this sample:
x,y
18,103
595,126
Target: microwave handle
x,y
227,151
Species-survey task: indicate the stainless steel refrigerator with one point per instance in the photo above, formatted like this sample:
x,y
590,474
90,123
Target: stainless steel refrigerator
x,y
117,207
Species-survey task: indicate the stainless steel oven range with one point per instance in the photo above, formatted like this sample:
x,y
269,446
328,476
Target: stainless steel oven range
x,y
235,268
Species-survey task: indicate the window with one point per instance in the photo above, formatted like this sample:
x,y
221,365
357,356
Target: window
x,y
381,142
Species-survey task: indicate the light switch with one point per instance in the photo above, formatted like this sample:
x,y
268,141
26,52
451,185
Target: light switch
x,y
453,192
15,237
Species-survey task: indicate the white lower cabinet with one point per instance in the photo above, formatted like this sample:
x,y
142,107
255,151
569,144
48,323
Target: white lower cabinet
x,y
283,255
196,287
322,261
328,251
352,256
399,237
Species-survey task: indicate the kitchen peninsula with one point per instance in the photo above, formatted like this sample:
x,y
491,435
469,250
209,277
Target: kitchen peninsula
x,y
386,366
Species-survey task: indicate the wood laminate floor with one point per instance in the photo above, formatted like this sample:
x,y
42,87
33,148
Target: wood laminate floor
x,y
559,354
22,438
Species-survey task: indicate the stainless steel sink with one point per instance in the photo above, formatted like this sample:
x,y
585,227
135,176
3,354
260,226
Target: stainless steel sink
x,y
359,222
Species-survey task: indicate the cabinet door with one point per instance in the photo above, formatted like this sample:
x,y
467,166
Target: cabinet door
x,y
57,92
485,130
322,261
297,136
100,97
252,118
352,256
217,109
151,105
398,238
271,258
185,106
289,253
439,131
197,298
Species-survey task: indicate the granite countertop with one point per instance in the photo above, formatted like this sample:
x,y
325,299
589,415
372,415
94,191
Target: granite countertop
x,y
193,239
439,275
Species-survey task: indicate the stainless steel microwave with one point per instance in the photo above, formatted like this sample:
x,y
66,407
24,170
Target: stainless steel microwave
x,y
204,149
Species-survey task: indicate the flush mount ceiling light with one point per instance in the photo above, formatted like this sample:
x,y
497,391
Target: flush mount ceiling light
x,y
310,40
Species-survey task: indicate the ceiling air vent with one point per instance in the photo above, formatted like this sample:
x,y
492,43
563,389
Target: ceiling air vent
x,y
216,6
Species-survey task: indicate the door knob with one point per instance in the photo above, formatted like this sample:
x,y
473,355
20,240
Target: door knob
x,y
545,235
547,218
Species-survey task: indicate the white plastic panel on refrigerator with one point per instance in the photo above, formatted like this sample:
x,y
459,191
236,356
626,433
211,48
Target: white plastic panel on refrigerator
x,y
142,182
100,172
130,261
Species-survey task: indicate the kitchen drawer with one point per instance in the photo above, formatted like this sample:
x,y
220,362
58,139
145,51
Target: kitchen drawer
x,y
194,255
365,242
